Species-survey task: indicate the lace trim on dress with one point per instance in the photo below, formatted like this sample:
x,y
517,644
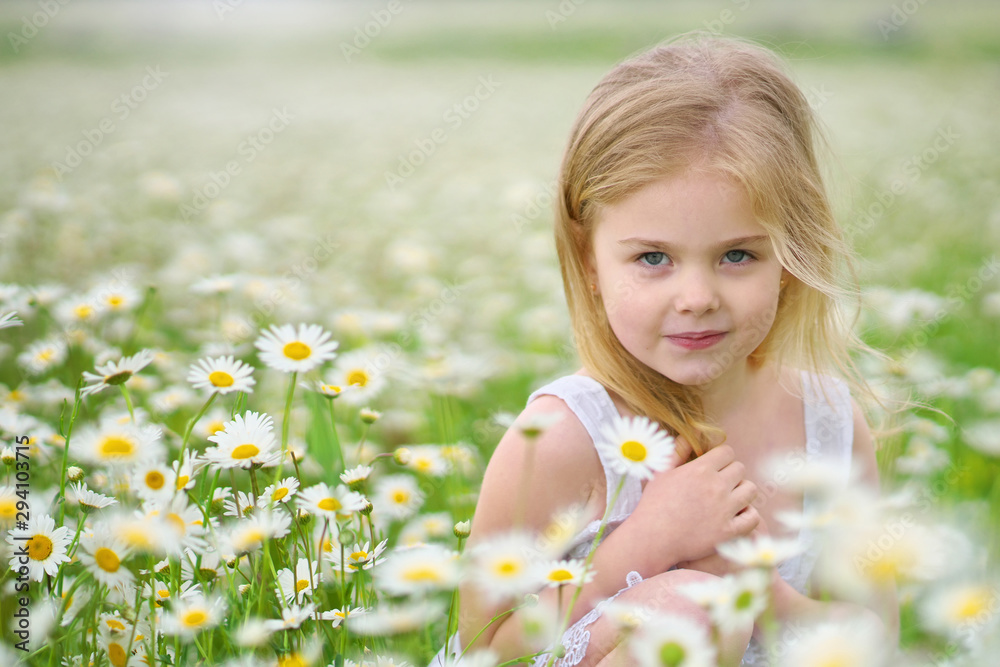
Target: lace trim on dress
x,y
577,638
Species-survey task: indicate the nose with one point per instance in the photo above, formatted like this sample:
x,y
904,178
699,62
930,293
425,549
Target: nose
x,y
697,292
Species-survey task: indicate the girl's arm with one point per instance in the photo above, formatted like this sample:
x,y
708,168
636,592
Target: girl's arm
x,y
884,607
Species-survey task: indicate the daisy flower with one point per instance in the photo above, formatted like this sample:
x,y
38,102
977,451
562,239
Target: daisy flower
x,y
10,320
290,351
956,608
291,617
733,601
217,284
241,505
152,480
533,425
182,521
102,554
339,615
635,446
116,372
45,545
428,460
418,570
250,534
502,568
193,615
355,477
397,496
672,641
185,469
222,375
852,644
8,505
332,503
246,441
559,573
280,492
90,500
293,587
119,300
160,592
42,355
141,533
765,551
212,423
360,558
116,444
361,372
389,619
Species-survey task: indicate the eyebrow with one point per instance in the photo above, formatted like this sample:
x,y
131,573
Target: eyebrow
x,y
648,243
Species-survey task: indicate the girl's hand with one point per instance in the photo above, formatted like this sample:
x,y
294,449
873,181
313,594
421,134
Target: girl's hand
x,y
687,510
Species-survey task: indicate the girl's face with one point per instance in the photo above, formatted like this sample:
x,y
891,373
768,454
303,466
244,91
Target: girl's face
x,y
688,277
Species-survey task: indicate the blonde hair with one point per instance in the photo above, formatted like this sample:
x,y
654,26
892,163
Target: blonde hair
x,y
729,107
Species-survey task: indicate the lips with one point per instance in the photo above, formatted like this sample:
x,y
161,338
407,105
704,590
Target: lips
x,y
696,340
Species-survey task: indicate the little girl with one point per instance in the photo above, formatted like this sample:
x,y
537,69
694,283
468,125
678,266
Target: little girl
x,y
700,262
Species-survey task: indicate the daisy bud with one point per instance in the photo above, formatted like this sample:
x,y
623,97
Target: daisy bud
x,y
304,518
244,589
531,600
402,456
369,416
232,563
367,509
347,537
462,529
7,456
74,473
216,507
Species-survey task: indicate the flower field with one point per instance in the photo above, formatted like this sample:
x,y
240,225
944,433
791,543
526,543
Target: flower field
x,y
276,277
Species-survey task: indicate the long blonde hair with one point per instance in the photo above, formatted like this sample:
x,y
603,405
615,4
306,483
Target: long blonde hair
x,y
728,106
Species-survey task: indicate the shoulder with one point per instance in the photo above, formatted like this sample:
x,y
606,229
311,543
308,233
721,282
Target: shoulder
x,y
553,471
863,448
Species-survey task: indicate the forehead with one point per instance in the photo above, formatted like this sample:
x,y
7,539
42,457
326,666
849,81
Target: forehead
x,y
695,208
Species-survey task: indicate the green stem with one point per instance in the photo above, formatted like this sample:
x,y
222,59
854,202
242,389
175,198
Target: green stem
x,y
128,401
336,438
482,630
192,422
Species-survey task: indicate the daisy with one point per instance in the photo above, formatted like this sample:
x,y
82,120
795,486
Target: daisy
x,y
8,505
116,372
295,586
193,615
141,533
397,496
152,480
160,592
635,446
119,300
182,521
502,568
42,355
222,375
672,641
115,444
241,505
533,425
339,615
185,469
322,500
90,500
559,573
10,320
362,372
418,570
217,284
246,441
852,644
389,619
291,617
955,609
360,558
355,477
102,554
428,460
765,551
733,601
250,534
290,351
44,543
279,492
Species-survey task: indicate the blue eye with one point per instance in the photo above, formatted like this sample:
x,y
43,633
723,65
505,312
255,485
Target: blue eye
x,y
738,256
654,258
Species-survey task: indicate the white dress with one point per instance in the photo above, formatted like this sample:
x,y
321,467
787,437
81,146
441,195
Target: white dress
x,y
829,426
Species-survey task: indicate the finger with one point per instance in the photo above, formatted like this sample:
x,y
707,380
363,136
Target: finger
x,y
719,457
744,494
745,522
733,474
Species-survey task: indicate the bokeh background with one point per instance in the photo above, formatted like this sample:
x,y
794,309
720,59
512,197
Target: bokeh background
x,y
386,169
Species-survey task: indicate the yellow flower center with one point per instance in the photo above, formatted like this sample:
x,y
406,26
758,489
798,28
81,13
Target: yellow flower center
x,y
246,451
114,445
292,660
508,568
177,521
297,350
634,451
182,481
137,536
971,605
358,376
194,618
155,480
46,354
400,497
329,504
560,575
359,556
83,311
220,379
301,584
116,655
39,547
279,493
115,624
422,573
107,560
115,300
215,427
163,593
7,509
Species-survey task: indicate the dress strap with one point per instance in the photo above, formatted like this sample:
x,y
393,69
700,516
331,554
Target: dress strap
x,y
590,402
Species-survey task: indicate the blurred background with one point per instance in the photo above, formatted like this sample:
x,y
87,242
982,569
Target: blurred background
x,y
386,167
